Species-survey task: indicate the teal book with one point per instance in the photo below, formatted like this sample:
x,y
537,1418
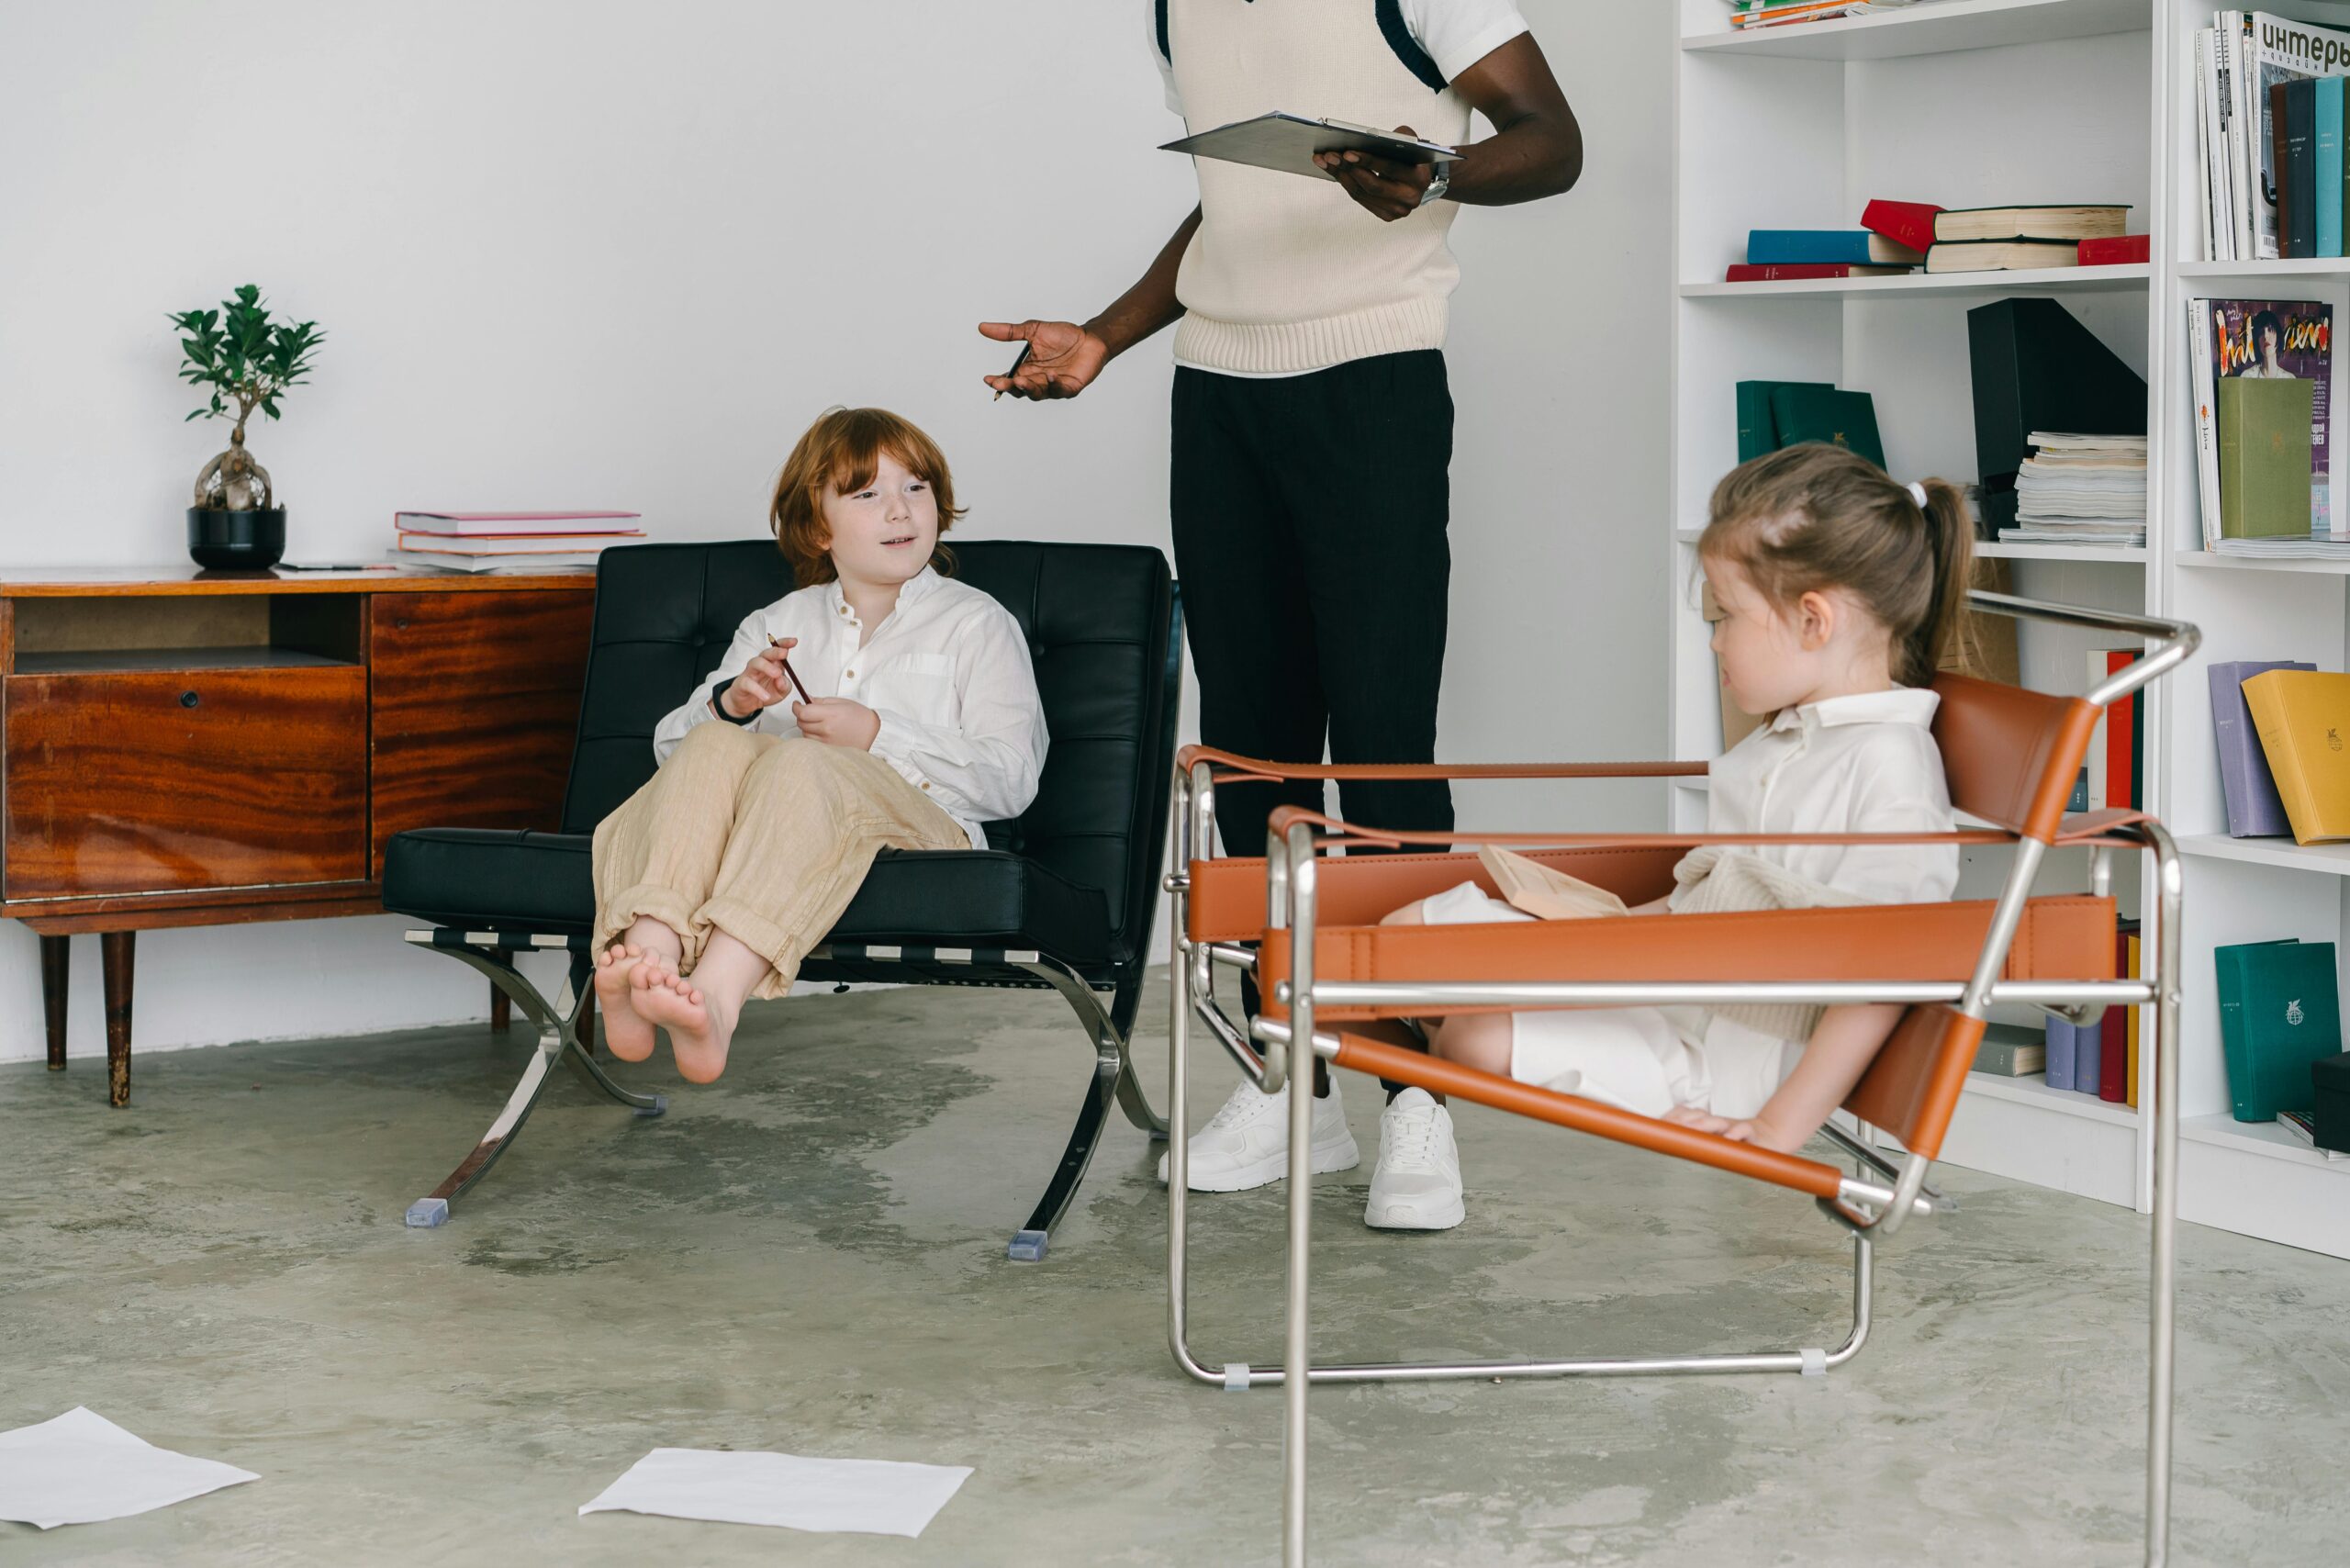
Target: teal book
x,y
2328,141
1842,418
2280,1011
1756,431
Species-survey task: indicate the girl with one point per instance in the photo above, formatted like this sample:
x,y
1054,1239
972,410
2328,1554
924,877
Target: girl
x,y
1837,588
918,719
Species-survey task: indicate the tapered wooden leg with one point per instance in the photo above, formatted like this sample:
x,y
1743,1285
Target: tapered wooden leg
x,y
116,954
502,1007
55,952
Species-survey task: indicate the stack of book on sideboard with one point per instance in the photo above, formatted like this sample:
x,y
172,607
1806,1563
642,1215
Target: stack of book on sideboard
x,y
509,541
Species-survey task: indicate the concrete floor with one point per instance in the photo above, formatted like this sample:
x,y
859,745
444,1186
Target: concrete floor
x,y
809,1258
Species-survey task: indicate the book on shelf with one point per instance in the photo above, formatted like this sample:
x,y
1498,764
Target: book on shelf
x,y
2302,718
453,561
2279,1014
2113,1031
1788,271
2255,809
2325,142
2131,1023
2247,110
2261,340
2116,251
2009,1051
1800,412
2082,489
1854,246
1906,223
1758,432
2303,1125
2034,367
1746,13
2069,224
515,524
2063,1040
2000,255
2264,458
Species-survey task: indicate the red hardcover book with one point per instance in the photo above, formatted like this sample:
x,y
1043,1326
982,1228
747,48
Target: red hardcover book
x,y
1778,271
2118,252
1909,223
2121,719
2113,1035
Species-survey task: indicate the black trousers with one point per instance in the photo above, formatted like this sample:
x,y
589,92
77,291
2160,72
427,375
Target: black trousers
x,y
1309,517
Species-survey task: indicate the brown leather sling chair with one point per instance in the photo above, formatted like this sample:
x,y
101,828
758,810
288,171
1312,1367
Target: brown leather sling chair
x,y
1328,972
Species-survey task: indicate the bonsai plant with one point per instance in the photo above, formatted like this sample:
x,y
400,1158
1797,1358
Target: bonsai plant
x,y
247,360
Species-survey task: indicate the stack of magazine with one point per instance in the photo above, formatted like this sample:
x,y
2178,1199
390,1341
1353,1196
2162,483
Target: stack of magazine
x,y
509,541
2238,59
2081,489
2265,339
1747,13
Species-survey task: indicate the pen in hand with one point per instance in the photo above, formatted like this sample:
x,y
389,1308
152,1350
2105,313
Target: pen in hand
x,y
1014,370
792,675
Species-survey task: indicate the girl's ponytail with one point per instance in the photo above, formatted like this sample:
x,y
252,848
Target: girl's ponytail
x,y
1950,534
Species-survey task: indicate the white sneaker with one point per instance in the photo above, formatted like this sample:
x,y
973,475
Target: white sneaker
x,y
1246,1143
1418,1184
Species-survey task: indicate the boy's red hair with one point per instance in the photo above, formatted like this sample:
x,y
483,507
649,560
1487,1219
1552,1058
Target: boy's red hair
x,y
839,453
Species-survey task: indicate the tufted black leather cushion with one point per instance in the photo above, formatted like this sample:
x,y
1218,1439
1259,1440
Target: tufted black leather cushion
x,y
1075,874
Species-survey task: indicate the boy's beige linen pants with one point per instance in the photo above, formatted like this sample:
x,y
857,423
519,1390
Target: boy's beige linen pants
x,y
762,837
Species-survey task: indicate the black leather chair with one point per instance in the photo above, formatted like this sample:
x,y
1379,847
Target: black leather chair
x,y
1063,897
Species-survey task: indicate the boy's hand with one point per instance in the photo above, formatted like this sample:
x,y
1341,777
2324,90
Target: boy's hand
x,y
762,683
1388,191
836,721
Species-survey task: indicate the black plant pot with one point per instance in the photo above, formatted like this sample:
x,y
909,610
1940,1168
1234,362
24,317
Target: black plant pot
x,y
236,541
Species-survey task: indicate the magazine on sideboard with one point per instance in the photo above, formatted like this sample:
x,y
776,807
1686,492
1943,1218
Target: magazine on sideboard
x,y
2262,338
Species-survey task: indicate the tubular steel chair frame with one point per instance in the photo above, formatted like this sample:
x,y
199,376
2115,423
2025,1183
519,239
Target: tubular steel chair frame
x,y
1876,1199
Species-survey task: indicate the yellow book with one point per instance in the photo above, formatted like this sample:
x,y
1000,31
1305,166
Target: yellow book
x,y
2303,721
2130,1084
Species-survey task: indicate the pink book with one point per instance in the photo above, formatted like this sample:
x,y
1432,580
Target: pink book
x,y
509,524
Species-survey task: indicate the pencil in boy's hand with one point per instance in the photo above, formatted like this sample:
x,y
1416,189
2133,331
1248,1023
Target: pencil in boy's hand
x,y
1014,371
789,673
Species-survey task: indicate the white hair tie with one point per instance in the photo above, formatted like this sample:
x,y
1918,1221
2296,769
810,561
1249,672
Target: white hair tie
x,y
1918,494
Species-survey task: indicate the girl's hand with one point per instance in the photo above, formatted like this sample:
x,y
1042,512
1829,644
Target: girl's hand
x,y
1704,1121
836,721
762,684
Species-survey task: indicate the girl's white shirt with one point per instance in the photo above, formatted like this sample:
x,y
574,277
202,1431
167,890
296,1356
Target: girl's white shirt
x,y
1865,763
948,670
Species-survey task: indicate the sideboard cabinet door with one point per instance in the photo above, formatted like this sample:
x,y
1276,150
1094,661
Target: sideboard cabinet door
x,y
474,699
147,780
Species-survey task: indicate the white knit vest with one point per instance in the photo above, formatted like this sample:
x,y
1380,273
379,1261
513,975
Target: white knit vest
x,y
1286,274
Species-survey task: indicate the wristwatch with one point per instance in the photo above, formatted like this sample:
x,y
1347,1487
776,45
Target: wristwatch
x,y
1437,186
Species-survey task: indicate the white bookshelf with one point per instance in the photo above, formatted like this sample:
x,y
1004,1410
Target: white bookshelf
x,y
1968,103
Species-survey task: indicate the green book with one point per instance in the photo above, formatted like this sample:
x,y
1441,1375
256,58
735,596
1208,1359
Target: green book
x,y
2280,1011
1801,412
1757,433
2263,459
2009,1051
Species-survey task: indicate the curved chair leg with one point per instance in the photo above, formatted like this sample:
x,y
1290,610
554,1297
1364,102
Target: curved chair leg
x,y
1113,1080
556,1040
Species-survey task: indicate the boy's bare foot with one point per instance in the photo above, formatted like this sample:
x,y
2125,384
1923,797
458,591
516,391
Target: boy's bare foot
x,y
625,1030
700,1031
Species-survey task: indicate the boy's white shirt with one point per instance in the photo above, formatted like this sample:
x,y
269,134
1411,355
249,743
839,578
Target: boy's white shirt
x,y
948,670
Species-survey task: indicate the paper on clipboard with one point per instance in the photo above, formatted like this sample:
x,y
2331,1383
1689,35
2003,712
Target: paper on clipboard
x,y
1287,144
1544,893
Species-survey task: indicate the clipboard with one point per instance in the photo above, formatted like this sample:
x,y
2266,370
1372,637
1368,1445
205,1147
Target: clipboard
x,y
1287,144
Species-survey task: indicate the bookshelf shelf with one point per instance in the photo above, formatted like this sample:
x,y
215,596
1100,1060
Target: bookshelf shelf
x,y
2254,272
2265,1138
1937,28
2328,859
2034,280
2032,1090
2204,560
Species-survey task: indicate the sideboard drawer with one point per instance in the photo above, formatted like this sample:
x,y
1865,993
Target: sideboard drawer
x,y
141,780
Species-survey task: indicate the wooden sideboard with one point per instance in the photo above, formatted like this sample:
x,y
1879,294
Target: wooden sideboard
x,y
185,747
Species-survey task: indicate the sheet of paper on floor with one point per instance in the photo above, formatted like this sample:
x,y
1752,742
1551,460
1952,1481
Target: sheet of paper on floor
x,y
82,1468
867,1496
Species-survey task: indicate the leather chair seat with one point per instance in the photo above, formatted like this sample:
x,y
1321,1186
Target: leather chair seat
x,y
483,878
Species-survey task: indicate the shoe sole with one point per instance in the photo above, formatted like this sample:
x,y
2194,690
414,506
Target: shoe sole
x,y
1273,1168
1444,1218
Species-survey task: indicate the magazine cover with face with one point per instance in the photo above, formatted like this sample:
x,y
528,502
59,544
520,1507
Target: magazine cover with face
x,y
2274,338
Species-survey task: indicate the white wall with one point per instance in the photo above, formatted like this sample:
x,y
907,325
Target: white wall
x,y
598,254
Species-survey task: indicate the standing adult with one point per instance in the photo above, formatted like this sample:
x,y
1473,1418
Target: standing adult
x,y
1309,491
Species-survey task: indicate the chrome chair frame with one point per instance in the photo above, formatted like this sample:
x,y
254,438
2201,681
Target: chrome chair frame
x,y
1865,1209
